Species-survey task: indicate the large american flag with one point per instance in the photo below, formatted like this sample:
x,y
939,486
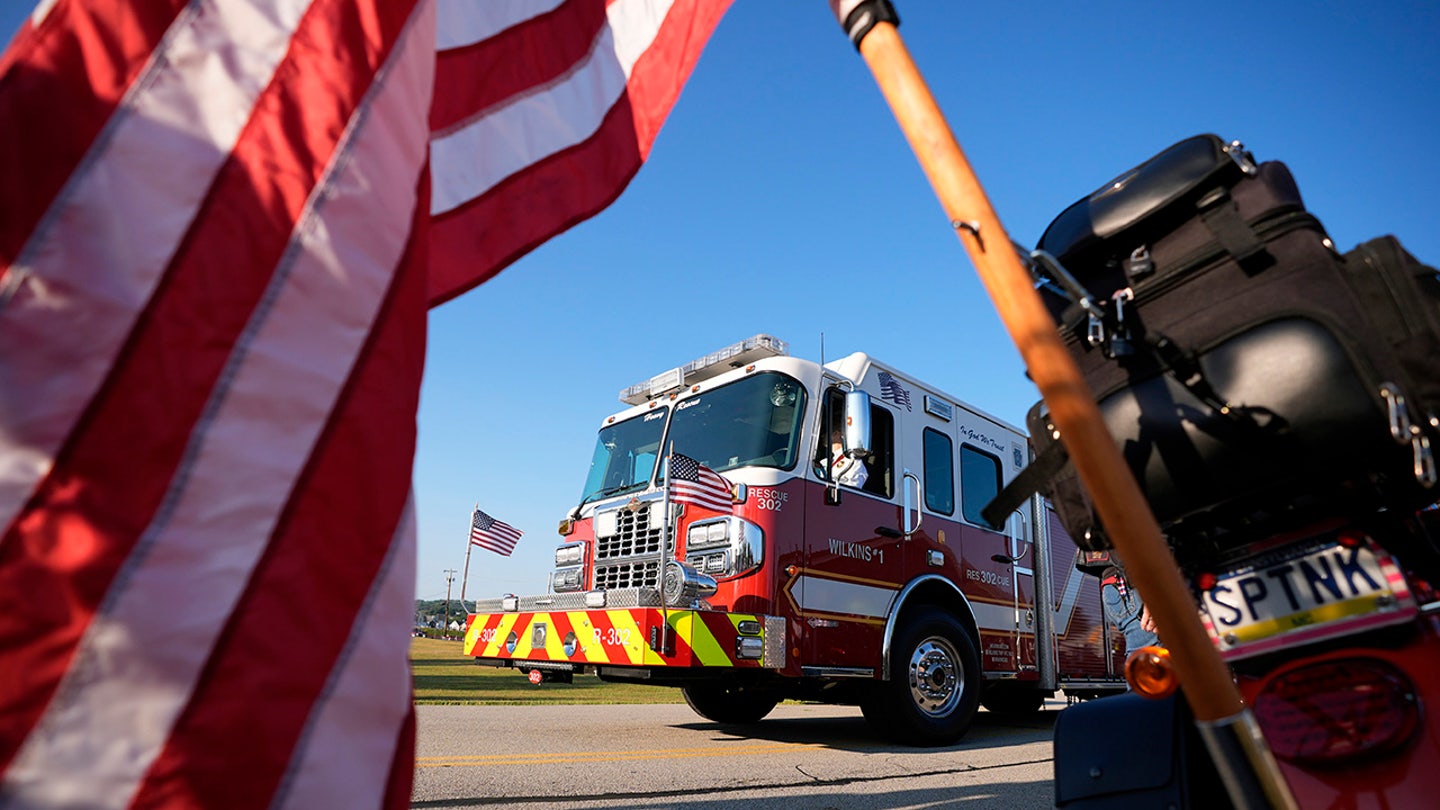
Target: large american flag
x,y
693,482
215,261
562,129
495,535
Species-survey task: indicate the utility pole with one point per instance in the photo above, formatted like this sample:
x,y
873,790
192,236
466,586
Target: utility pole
x,y
449,578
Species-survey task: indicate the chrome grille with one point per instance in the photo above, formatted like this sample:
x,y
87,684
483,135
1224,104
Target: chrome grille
x,y
636,574
629,555
635,537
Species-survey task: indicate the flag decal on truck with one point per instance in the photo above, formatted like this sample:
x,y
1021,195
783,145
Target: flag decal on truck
x,y
891,389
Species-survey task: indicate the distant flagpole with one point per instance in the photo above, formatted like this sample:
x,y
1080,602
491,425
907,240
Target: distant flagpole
x,y
469,545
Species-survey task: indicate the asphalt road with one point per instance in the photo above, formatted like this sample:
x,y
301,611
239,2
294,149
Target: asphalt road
x,y
802,757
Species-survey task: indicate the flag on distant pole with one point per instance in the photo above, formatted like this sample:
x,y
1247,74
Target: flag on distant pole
x,y
495,535
216,252
693,482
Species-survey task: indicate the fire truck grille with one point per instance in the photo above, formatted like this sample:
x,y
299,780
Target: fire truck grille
x,y
634,537
636,574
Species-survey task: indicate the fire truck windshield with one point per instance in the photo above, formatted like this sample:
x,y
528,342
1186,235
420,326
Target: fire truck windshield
x,y
625,456
752,422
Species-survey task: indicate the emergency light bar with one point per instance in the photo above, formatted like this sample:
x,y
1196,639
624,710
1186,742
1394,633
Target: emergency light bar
x,y
703,368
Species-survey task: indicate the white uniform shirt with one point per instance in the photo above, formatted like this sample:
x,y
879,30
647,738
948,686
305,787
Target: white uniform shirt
x,y
850,471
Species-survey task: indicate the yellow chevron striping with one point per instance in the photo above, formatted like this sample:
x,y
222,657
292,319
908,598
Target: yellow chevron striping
x,y
522,636
621,638
497,644
554,649
591,650
628,638
705,646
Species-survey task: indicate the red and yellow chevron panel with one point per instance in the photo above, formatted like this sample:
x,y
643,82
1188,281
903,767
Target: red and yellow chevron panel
x,y
613,637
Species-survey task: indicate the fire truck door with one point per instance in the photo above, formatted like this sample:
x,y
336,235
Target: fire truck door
x,y
1021,551
854,561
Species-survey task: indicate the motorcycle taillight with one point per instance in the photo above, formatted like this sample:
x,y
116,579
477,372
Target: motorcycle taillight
x,y
1337,711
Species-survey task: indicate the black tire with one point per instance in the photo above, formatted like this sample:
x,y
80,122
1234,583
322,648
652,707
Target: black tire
x,y
934,687
1012,700
730,704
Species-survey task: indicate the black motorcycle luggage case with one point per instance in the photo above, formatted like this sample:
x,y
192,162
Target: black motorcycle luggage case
x,y
1310,420
1124,752
1403,296
1190,284
1239,299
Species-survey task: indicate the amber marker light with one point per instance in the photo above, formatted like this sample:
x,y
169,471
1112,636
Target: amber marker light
x,y
1150,674
1351,539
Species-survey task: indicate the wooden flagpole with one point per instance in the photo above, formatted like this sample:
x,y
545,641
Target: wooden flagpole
x,y
1132,527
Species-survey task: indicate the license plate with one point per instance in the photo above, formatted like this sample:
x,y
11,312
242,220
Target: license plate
x,y
1313,594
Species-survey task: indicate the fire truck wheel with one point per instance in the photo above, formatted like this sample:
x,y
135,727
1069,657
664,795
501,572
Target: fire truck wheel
x,y
730,704
934,687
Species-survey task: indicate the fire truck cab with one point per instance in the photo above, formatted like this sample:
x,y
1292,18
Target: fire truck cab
x,y
885,589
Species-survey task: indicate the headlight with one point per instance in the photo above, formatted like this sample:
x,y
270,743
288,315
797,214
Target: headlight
x,y
565,580
716,563
740,545
569,554
704,535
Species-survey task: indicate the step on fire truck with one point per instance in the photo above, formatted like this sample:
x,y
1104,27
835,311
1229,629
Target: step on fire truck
x,y
893,594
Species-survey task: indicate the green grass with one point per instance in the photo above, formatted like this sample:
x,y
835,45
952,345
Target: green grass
x,y
443,674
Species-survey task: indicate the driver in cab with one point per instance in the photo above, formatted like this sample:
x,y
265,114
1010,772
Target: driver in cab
x,y
845,469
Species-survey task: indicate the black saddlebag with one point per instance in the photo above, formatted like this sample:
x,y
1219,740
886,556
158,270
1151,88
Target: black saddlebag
x,y
1402,295
1130,752
1249,372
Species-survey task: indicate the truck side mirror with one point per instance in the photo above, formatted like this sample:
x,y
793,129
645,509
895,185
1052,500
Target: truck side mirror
x,y
857,422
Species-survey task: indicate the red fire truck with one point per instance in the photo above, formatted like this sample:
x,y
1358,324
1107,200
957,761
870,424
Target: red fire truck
x,y
893,594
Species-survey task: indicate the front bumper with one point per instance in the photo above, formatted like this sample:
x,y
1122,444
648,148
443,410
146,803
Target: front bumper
x,y
557,629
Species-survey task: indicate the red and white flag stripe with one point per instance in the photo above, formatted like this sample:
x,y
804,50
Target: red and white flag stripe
x,y
575,93
220,273
214,247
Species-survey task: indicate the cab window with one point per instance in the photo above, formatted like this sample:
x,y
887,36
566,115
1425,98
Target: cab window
x,y
939,472
879,462
979,483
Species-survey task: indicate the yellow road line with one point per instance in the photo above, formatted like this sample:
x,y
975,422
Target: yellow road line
x,y
477,760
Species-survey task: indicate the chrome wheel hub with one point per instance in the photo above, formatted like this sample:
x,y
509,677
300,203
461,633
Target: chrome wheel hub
x,y
936,679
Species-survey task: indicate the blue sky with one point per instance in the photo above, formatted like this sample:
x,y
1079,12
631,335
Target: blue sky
x,y
780,197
